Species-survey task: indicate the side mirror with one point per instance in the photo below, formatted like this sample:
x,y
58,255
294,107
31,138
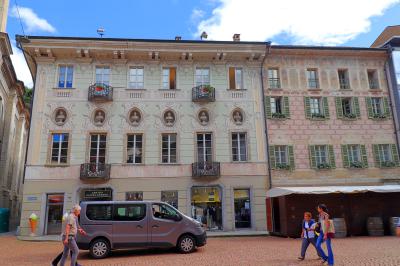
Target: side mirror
x,y
177,218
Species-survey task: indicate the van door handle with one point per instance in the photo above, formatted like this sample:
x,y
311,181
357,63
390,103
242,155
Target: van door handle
x,y
139,226
155,226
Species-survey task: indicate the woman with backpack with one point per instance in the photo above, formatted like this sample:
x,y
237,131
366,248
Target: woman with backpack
x,y
326,234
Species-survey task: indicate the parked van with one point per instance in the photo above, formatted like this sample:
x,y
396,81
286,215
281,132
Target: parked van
x,y
136,224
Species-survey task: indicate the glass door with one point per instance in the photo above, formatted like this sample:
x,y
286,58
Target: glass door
x,y
204,149
54,207
242,208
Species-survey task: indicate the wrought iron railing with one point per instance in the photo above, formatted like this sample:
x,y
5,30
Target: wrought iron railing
x,y
95,171
313,83
203,93
274,83
344,83
210,169
373,85
100,92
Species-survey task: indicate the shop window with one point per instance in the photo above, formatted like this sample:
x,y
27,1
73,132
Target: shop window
x,y
207,206
55,206
242,208
134,196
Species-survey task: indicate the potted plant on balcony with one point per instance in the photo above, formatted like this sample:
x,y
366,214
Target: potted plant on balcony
x,y
356,165
379,116
278,116
324,166
282,166
318,116
349,116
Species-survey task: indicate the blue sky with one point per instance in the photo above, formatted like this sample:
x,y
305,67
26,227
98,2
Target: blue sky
x,y
313,22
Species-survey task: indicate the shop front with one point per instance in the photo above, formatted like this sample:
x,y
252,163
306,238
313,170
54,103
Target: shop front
x,y
242,204
206,204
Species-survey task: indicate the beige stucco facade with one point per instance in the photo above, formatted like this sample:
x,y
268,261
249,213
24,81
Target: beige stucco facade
x,y
151,176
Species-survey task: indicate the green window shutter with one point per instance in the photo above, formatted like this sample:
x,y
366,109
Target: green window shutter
x,y
386,107
326,107
307,107
286,109
331,156
339,109
395,154
375,150
268,112
272,156
345,156
369,107
313,162
364,157
291,157
356,107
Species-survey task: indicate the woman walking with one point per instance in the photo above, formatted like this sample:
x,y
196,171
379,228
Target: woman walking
x,y
325,234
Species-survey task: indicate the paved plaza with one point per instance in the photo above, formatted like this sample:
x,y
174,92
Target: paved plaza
x,y
219,251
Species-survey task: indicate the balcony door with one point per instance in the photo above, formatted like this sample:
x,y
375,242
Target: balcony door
x,y
98,149
204,148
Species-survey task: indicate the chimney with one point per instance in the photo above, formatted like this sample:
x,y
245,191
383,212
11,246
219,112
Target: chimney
x,y
236,37
178,38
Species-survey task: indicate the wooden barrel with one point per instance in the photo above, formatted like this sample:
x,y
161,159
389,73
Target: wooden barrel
x,y
375,226
340,227
394,221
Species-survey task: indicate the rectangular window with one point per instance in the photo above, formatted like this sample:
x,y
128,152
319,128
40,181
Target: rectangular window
x,y
385,154
170,197
242,203
235,78
55,204
347,106
134,150
204,147
134,196
312,76
99,212
168,153
65,76
59,148
344,79
239,147
103,74
98,148
316,106
136,77
202,76
373,79
281,155
354,153
276,105
129,212
321,154
377,106
169,78
273,78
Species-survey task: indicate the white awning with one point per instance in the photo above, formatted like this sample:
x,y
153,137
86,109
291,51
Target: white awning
x,y
283,191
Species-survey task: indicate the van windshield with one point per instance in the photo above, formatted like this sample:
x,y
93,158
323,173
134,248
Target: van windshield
x,y
163,211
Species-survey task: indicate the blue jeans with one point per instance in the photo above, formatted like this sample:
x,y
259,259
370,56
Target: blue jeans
x,y
320,240
70,246
304,245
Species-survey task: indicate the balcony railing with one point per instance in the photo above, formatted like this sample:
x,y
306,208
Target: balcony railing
x,y
373,84
344,84
274,83
206,169
313,83
203,93
95,171
100,92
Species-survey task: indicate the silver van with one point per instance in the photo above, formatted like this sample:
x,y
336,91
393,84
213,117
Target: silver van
x,y
137,224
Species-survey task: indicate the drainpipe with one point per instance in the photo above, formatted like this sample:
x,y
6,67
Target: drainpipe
x,y
391,83
21,39
267,51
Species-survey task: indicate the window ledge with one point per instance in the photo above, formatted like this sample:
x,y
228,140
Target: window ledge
x,y
318,119
276,89
131,89
167,90
169,164
58,88
236,90
237,162
375,90
314,89
132,164
50,165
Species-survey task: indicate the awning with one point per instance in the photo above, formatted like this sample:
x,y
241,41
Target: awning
x,y
283,191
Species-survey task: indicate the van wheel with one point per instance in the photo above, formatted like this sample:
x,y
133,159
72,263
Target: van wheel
x,y
99,248
186,244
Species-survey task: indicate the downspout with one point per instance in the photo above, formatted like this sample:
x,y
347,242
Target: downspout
x,y
19,46
391,82
267,51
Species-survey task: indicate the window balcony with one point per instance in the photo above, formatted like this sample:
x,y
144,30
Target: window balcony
x,y
95,172
373,85
274,83
313,83
344,84
100,92
206,169
203,93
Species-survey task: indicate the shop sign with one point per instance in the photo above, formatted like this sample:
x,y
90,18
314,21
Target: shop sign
x,y
97,194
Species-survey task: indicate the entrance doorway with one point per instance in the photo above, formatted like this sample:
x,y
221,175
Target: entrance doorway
x,y
242,208
54,213
96,194
207,206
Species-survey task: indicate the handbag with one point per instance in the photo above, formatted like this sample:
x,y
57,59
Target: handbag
x,y
331,229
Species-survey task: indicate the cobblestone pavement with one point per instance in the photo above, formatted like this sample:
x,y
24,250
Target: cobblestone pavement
x,y
219,251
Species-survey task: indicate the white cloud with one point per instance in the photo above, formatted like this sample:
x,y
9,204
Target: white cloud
x,y
31,20
20,66
197,15
307,22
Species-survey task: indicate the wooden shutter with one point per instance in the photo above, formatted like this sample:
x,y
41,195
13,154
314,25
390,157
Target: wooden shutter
x,y
386,107
356,107
345,156
313,162
307,107
339,108
331,156
395,154
326,107
272,156
368,102
364,157
232,81
286,110
291,157
375,150
268,112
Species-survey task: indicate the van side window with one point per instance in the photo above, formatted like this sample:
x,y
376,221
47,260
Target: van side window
x,y
129,212
99,212
163,211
